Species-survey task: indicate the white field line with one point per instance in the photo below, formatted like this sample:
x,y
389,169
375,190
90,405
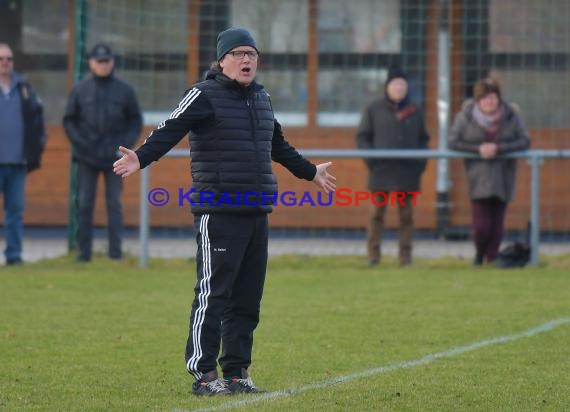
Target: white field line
x,y
545,327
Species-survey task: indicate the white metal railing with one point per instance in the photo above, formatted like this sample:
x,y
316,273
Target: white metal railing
x,y
534,156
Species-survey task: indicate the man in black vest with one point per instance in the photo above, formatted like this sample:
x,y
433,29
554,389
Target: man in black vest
x,y
233,139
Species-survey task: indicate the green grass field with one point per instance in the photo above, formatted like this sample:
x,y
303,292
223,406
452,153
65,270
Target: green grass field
x,y
335,335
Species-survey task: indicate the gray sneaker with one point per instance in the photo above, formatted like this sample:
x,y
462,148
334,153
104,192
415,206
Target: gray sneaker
x,y
210,385
242,384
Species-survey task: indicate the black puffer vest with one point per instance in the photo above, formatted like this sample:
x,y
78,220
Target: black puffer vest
x,y
231,159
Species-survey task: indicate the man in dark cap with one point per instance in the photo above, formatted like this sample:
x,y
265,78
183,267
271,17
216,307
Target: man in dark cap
x,y
233,139
102,114
392,122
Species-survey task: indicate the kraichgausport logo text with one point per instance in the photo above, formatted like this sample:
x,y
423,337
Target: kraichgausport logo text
x,y
340,197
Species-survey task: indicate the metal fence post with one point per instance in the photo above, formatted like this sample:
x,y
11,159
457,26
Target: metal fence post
x,y
79,67
144,218
443,105
535,162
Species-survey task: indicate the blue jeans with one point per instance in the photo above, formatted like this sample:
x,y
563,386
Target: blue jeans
x,y
12,188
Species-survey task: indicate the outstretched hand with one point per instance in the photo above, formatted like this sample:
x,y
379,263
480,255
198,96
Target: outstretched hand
x,y
324,179
128,164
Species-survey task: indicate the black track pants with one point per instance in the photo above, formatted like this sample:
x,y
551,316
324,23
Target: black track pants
x,y
231,263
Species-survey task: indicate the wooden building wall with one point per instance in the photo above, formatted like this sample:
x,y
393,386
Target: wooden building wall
x,y
48,189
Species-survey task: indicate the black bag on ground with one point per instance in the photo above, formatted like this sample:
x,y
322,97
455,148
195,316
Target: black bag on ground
x,y
515,255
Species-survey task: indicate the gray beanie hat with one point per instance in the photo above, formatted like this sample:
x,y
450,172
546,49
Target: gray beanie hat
x,y
231,38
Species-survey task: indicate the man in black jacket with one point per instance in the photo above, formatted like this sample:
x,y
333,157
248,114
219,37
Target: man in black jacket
x,y
233,139
22,141
102,114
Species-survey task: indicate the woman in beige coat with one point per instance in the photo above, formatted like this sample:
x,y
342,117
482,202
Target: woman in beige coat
x,y
489,126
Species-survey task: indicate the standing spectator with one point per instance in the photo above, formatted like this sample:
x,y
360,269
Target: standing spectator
x,y
392,122
102,114
233,139
488,126
22,141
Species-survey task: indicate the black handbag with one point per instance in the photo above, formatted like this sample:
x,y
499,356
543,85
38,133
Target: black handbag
x,y
515,255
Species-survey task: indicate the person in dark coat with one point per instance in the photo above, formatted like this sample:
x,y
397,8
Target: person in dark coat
x,y
102,114
392,122
234,137
22,142
489,126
